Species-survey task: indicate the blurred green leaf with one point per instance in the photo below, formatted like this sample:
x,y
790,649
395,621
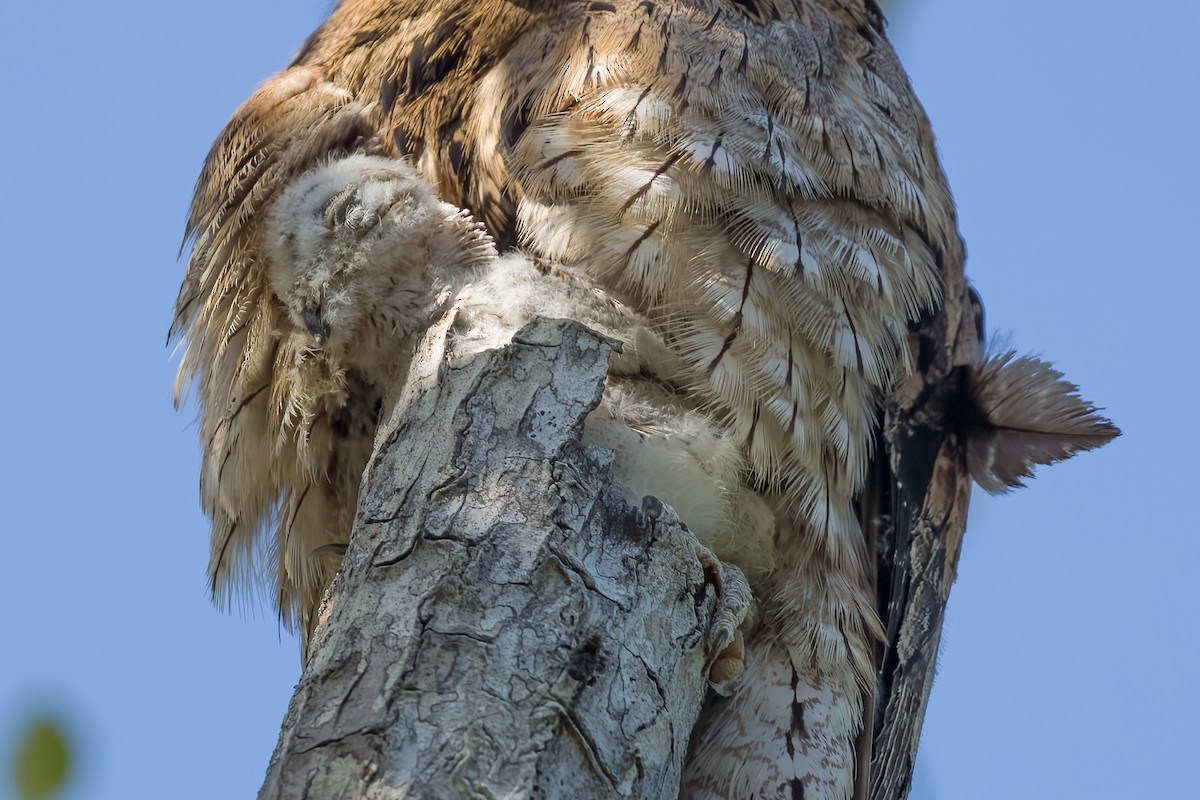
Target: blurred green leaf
x,y
42,760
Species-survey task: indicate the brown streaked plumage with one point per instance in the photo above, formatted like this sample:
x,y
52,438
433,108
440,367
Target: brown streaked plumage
x,y
755,180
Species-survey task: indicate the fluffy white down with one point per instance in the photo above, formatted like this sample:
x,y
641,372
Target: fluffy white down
x,y
361,257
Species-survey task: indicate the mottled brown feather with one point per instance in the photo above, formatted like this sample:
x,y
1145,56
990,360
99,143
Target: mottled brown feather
x,y
1028,414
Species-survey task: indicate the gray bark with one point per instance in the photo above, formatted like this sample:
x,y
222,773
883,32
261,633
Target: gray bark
x,y
504,624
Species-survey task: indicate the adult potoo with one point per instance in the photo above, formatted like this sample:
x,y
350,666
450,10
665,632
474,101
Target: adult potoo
x,y
756,180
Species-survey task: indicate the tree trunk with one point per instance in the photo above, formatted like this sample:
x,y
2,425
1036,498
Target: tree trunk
x,y
504,624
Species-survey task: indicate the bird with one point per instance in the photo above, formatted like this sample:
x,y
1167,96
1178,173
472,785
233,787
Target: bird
x,y
754,190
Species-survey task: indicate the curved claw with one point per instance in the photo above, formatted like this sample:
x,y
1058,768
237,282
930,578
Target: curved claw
x,y
726,662
650,511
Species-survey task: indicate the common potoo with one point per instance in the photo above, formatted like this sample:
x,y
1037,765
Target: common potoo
x,y
754,189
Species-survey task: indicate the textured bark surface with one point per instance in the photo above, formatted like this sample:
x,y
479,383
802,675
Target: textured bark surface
x,y
504,625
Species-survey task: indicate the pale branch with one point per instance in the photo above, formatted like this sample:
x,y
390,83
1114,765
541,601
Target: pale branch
x,y
504,624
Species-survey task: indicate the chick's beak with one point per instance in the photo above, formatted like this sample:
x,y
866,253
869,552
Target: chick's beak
x,y
316,325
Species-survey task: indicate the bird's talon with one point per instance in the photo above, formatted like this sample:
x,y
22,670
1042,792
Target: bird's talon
x,y
726,669
650,511
727,664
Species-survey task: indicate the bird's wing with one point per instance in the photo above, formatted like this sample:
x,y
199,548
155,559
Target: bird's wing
x,y
960,418
232,326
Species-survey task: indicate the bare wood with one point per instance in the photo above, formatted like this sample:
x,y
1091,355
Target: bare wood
x,y
503,624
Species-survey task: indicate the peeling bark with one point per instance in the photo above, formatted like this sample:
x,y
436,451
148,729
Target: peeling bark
x,y
504,624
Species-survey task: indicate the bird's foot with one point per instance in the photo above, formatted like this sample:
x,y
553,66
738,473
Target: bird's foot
x,y
734,604
650,511
733,614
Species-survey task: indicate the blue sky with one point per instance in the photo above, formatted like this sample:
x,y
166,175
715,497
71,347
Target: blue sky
x,y
1068,130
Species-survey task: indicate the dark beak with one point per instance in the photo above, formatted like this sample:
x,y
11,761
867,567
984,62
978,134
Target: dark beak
x,y
316,326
